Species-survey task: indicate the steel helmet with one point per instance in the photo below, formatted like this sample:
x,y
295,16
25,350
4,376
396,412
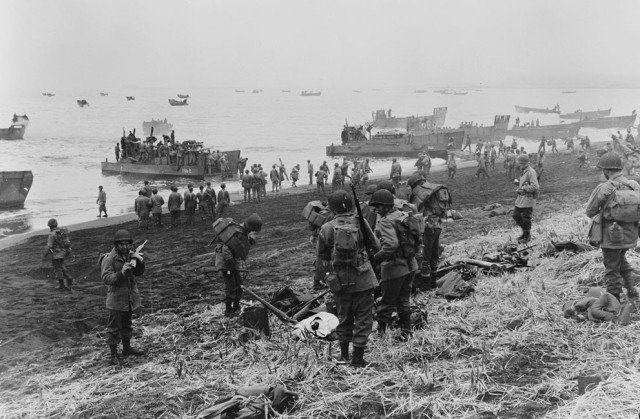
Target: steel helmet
x,y
523,158
388,185
122,236
370,189
340,202
414,179
253,222
382,197
610,161
52,222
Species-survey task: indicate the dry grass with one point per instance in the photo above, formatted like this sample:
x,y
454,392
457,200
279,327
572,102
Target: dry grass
x,y
504,351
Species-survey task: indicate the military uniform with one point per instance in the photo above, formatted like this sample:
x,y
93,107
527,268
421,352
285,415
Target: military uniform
x,y
59,251
156,209
527,194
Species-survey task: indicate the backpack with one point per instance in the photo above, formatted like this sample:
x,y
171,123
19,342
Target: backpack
x,y
346,243
228,232
63,241
432,197
409,235
624,204
316,213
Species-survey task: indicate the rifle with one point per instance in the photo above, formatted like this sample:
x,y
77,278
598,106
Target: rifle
x,y
370,241
306,307
138,249
279,314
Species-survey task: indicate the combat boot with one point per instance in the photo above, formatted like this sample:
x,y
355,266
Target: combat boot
x,y
358,360
405,326
526,236
127,349
432,284
382,328
236,306
344,353
62,286
114,358
228,312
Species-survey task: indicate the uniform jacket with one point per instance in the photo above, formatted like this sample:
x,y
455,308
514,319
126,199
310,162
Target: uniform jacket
x,y
257,180
189,200
223,197
320,176
274,175
121,290
527,188
396,170
310,167
599,228
247,179
224,258
392,266
157,202
102,197
55,246
363,278
175,200
143,205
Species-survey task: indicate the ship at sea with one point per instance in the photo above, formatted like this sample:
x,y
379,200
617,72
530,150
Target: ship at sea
x,y
159,127
14,188
525,109
537,132
495,132
16,129
383,120
621,122
175,102
310,93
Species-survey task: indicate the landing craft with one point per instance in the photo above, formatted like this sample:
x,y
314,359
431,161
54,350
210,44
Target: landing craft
x,y
14,188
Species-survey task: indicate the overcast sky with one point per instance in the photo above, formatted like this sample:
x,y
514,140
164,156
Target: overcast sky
x,y
58,44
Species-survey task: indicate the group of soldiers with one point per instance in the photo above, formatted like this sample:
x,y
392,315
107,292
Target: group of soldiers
x,y
359,174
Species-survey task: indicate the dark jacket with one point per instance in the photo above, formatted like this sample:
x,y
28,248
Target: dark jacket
x,y
122,292
175,200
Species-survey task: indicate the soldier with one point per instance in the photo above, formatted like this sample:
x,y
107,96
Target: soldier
x,y
492,157
102,202
174,203
527,194
263,178
142,206
467,143
117,150
324,166
554,145
156,209
148,190
59,247
397,266
242,163
452,166
543,144
321,177
228,263
615,235
482,166
353,279
310,171
337,182
119,269
367,211
509,163
274,175
247,179
223,199
396,173
256,185
190,205
295,175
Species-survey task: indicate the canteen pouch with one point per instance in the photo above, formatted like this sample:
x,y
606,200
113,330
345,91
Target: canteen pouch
x,y
616,233
333,283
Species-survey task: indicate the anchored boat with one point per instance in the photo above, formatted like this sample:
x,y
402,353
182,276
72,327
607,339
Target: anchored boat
x,y
548,131
310,93
14,188
610,122
174,102
181,96
82,103
525,109
583,115
496,132
383,120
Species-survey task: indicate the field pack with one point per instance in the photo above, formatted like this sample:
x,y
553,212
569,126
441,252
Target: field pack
x,y
624,204
63,241
345,243
228,232
316,213
432,196
408,228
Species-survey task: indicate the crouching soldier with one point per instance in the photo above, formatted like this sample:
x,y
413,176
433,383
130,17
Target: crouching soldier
x,y
341,245
119,269
233,243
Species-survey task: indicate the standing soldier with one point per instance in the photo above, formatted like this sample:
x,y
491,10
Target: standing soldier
x,y
324,166
148,190
396,172
102,202
310,171
554,145
341,244
295,175
493,155
263,177
615,231
467,143
223,199
452,166
321,177
190,204
59,247
509,163
426,163
397,264
117,150
210,197
156,209
174,203
119,270
142,206
482,166
246,185
274,175
543,144
337,182
256,185
228,261
540,167
527,194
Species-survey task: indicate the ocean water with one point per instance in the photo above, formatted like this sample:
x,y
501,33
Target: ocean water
x,y
64,144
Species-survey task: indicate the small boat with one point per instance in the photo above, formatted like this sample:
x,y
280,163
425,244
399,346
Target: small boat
x,y
48,94
82,103
310,93
104,94
20,120
586,115
285,91
131,98
548,131
620,122
525,109
383,120
356,91
460,93
174,102
419,91
443,91
14,132
184,96
159,127
239,91
568,92
14,188
256,91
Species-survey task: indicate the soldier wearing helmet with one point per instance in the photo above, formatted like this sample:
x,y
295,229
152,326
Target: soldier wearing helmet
x,y
615,236
174,202
527,188
228,257
396,268
350,275
59,247
102,202
142,206
157,202
119,269
396,174
367,211
223,199
190,205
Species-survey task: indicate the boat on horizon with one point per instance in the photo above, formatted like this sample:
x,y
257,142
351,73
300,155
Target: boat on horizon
x,y
239,91
175,102
82,103
129,98
48,94
104,94
14,188
285,91
181,96
621,122
443,91
567,92
526,109
419,91
310,93
585,115
460,93
256,91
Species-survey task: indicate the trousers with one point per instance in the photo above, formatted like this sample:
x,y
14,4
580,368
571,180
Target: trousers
x,y
119,326
522,217
355,313
618,272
